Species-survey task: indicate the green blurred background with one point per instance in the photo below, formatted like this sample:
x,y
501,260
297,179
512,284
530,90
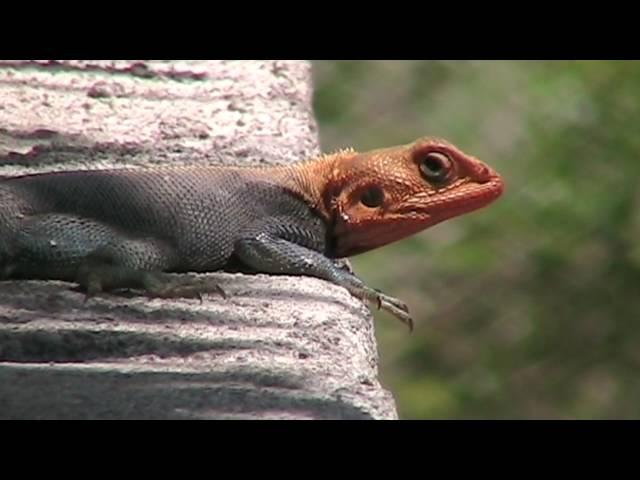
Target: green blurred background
x,y
528,308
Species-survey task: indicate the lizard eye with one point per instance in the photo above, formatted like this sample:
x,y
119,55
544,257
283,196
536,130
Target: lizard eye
x,y
372,197
435,167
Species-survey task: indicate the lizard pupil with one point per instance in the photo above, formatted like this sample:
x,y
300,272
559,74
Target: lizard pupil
x,y
435,167
372,197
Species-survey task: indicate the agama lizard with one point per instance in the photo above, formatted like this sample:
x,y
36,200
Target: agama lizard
x,y
122,228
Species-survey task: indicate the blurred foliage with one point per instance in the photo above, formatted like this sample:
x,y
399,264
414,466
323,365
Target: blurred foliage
x,y
528,308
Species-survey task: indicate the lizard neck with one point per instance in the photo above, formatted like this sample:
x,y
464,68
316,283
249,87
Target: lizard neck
x,y
313,181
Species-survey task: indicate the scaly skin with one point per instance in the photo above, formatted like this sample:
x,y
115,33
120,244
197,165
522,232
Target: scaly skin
x,y
115,229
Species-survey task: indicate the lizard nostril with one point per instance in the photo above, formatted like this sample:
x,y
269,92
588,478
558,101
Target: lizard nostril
x,y
484,174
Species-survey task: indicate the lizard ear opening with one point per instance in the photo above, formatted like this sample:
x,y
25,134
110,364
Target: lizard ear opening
x,y
372,197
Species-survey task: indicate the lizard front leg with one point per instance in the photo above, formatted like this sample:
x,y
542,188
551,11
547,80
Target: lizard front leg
x,y
269,253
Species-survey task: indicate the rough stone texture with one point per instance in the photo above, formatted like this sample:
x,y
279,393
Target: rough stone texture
x,y
278,347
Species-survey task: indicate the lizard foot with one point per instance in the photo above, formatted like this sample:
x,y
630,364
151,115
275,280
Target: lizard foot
x,y
182,288
395,307
94,279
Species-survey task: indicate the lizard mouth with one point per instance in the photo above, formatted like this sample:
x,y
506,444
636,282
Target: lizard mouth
x,y
461,199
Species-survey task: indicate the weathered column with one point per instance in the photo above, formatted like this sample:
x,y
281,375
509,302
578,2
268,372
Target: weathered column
x,y
277,347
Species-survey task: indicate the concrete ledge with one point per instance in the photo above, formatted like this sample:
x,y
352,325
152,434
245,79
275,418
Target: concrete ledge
x,y
278,347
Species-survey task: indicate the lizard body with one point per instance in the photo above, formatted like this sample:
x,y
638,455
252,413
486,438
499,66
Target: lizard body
x,y
119,228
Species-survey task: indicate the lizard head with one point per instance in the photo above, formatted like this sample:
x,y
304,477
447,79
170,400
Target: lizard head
x,y
385,195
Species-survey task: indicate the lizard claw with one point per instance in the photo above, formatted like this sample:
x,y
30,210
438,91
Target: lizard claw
x,y
222,293
396,307
91,288
215,288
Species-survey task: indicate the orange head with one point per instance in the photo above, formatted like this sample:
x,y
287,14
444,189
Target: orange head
x,y
378,197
